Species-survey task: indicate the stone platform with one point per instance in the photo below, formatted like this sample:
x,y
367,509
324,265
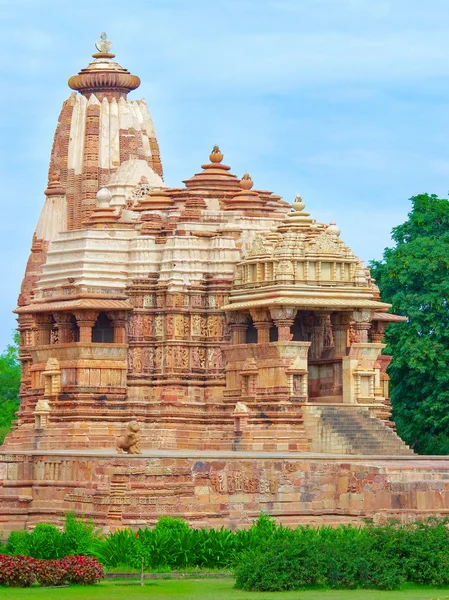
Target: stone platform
x,y
212,488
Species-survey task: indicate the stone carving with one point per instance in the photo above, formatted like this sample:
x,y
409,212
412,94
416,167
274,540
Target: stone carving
x,y
197,301
196,325
258,246
326,243
142,189
214,358
159,326
129,441
158,355
148,358
179,326
103,45
214,326
169,326
233,482
148,301
148,325
198,358
137,360
241,409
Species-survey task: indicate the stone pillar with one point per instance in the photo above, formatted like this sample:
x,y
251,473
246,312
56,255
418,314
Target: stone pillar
x,y
283,319
86,320
377,331
361,325
317,324
238,325
44,327
65,326
120,322
263,323
340,325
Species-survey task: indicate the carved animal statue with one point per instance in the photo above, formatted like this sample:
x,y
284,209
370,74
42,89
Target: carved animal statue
x,y
130,440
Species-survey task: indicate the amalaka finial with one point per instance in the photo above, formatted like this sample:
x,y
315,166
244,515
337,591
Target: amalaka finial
x,y
103,45
298,204
216,155
246,183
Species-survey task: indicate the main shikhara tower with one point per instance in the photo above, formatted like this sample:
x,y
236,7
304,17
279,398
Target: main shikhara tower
x,y
217,316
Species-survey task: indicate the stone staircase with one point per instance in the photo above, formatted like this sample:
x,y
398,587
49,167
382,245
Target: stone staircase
x,y
350,430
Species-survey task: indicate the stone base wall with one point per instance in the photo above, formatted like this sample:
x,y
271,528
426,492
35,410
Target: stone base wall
x,y
217,488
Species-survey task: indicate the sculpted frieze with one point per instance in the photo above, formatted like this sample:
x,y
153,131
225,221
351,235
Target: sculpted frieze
x,y
234,482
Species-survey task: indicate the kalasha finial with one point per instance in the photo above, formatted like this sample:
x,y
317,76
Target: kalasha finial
x,y
103,44
298,204
246,183
216,155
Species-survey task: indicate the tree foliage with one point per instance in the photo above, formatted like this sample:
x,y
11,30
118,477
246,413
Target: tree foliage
x,y
9,386
414,277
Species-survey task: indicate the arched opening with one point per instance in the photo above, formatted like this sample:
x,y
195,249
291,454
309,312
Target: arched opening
x,y
251,333
103,331
274,334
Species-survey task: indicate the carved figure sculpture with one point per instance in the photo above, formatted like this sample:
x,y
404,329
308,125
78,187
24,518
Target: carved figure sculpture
x,y
130,440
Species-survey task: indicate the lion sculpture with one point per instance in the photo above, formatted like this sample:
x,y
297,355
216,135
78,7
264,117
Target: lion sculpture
x,y
130,440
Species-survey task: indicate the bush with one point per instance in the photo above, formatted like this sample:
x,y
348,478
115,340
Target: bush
x,y
18,543
17,571
338,558
46,542
50,572
80,535
118,548
22,571
82,570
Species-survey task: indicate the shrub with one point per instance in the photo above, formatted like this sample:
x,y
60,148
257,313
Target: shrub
x,y
46,542
82,570
18,543
338,558
118,548
80,535
50,572
17,571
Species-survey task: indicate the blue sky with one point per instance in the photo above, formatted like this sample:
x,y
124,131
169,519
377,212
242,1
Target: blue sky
x,y
344,101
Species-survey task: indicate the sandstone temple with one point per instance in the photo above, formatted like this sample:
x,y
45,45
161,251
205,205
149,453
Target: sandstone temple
x,y
242,336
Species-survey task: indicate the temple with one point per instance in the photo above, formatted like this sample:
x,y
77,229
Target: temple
x,y
238,332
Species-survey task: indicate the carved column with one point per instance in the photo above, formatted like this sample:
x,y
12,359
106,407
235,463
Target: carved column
x,y
86,320
377,331
361,324
120,321
283,319
262,322
238,325
340,325
65,326
317,324
44,327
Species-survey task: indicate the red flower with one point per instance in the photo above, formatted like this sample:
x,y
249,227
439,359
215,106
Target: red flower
x,y
137,535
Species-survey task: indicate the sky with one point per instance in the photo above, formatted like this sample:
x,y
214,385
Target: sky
x,y
343,101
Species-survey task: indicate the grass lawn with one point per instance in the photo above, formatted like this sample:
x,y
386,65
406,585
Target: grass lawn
x,y
205,589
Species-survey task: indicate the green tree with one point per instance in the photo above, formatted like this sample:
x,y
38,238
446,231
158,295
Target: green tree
x,y
9,386
414,277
